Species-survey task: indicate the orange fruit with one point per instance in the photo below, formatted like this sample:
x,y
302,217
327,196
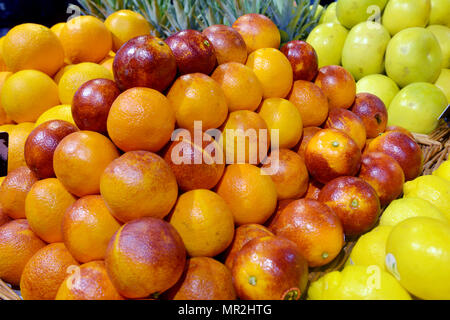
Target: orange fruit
x,y
288,171
251,195
4,119
331,154
197,97
241,87
373,113
348,122
27,94
280,207
17,245
228,44
338,85
204,222
14,190
314,227
354,201
90,281
77,75
141,119
3,66
45,272
314,189
18,135
204,279
32,46
195,166
87,226
57,77
125,25
308,133
243,235
144,257
139,184
311,102
270,268
282,115
85,39
57,28
400,129
273,70
80,159
258,32
45,205
108,64
4,218
245,138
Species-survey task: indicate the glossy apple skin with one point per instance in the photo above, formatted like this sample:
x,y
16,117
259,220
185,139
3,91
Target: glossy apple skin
x,y
303,59
372,112
145,61
193,52
91,104
228,44
41,144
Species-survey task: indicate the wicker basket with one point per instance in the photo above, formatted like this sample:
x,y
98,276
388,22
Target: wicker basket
x,y
435,148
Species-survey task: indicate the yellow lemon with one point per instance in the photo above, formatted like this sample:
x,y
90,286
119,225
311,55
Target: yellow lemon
x,y
62,112
27,94
7,128
402,209
443,171
4,119
76,76
57,28
433,189
357,283
370,249
418,255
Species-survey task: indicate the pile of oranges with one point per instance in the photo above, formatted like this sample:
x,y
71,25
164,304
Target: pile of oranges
x,y
96,206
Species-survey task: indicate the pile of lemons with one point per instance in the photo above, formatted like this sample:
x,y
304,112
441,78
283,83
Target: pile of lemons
x,y
407,256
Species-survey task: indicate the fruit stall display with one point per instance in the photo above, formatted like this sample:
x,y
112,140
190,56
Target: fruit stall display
x,y
103,198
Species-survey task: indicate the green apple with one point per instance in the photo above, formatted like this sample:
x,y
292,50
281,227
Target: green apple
x,y
364,49
330,14
440,12
417,108
403,14
442,34
443,83
413,55
328,40
380,85
352,12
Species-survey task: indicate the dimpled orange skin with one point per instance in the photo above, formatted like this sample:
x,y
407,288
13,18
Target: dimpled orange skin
x,y
255,142
280,207
141,119
372,112
241,87
400,129
228,44
314,227
197,97
80,159
148,178
311,102
243,235
354,201
289,174
145,61
182,156
45,272
204,279
303,59
87,227
145,256
308,133
17,245
313,191
204,222
258,32
41,144
193,52
348,122
14,190
338,85
251,196
3,217
89,282
401,148
270,268
331,154
384,174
